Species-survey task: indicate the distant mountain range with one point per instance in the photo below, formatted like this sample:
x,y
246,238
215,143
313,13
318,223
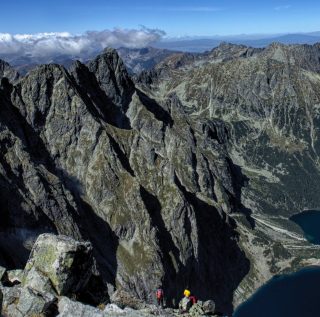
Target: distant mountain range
x,y
205,44
139,59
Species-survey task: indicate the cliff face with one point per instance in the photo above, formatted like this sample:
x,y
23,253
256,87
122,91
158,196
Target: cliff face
x,y
86,153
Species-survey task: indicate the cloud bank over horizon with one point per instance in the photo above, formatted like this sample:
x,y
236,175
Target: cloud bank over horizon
x,y
44,44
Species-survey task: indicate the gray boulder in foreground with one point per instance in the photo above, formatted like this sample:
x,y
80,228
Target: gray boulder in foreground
x,y
209,307
32,303
58,265
10,297
69,308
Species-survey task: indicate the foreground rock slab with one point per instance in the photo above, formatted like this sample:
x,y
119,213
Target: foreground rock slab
x,y
32,303
69,308
58,265
10,297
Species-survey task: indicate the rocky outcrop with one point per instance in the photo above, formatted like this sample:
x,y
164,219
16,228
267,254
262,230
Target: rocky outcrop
x,y
10,298
203,308
32,303
69,308
58,265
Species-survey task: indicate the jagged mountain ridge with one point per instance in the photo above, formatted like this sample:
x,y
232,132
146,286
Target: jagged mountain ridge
x,y
151,188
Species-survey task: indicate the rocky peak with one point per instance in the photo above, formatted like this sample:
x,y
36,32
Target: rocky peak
x,y
102,100
305,56
7,71
43,87
228,51
113,78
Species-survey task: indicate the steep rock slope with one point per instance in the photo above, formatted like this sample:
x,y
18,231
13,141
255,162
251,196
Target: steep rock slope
x,y
151,187
269,102
33,198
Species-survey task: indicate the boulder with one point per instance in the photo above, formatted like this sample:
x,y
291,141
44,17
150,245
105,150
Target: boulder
x,y
58,264
113,308
10,296
32,303
196,310
202,308
69,308
209,307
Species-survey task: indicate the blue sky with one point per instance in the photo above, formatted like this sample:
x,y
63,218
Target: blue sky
x,y
175,17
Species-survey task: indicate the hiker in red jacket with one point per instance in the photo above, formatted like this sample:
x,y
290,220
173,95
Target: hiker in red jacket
x,y
160,296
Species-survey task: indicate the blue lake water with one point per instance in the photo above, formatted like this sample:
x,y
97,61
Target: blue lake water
x,y
309,222
293,295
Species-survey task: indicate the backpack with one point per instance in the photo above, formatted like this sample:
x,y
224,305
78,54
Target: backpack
x,y
159,293
193,299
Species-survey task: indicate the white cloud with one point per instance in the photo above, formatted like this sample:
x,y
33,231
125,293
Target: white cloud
x,y
283,7
44,44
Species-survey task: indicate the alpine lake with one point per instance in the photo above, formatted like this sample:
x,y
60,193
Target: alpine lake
x,y
290,295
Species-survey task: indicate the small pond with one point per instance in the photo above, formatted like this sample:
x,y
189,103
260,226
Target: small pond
x,y
309,222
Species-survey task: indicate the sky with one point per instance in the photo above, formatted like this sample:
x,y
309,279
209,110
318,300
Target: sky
x,y
45,28
175,17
